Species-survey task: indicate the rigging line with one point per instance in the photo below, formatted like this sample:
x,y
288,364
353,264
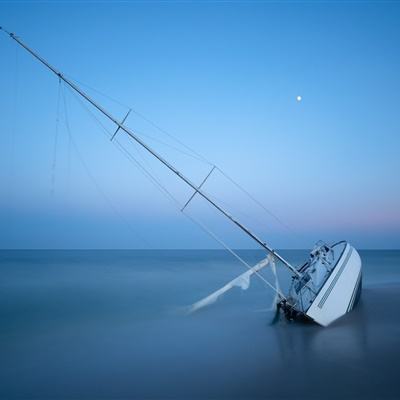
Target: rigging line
x,y
195,220
194,154
169,145
97,185
109,134
53,166
223,244
243,214
257,223
177,204
168,165
159,186
155,154
142,157
91,114
98,91
201,158
104,129
145,172
198,155
13,128
129,155
270,213
146,162
66,114
229,205
124,151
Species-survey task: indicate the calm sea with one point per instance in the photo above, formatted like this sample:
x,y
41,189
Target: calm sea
x,y
113,325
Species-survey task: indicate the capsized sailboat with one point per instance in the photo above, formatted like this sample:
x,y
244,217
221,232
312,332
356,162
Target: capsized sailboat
x,y
324,288
327,286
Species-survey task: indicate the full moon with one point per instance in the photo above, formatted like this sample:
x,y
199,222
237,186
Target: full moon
x,y
298,98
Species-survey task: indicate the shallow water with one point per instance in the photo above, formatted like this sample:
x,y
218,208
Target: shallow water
x,y
112,324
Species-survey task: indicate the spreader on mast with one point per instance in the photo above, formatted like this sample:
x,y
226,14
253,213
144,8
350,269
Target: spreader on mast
x,y
121,126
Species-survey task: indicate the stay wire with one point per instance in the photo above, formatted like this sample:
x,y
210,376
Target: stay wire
x,y
140,133
97,185
178,205
69,142
104,130
223,244
193,152
98,92
196,155
270,213
16,83
197,222
109,134
54,162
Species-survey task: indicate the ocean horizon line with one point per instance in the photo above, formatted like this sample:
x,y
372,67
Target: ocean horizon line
x,y
177,249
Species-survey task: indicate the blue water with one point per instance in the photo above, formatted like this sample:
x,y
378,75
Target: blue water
x,y
112,325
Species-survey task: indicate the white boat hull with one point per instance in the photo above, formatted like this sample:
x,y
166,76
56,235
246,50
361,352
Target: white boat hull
x,y
340,292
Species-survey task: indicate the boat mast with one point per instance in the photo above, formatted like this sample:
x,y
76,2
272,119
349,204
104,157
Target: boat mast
x,y
151,151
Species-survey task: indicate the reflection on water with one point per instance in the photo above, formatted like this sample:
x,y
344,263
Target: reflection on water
x,y
110,325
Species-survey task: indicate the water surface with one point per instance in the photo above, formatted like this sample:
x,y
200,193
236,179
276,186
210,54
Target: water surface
x,y
112,325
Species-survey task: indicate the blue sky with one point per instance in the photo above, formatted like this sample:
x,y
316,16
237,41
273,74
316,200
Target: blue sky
x,y
223,78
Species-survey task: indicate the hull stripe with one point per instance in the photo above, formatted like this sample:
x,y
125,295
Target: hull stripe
x,y
335,279
353,296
